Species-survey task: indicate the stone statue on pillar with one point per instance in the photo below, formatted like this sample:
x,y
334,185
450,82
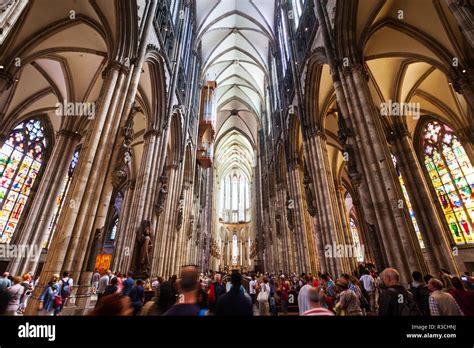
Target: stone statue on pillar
x,y
144,247
161,201
179,220
278,225
308,192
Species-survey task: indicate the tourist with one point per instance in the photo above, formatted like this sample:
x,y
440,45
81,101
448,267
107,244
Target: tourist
x,y
16,291
253,289
27,283
127,284
263,297
120,280
368,283
441,302
163,300
329,288
65,288
420,293
137,296
273,297
5,281
303,298
50,299
395,300
188,285
202,302
316,297
113,305
348,303
463,297
112,288
359,290
103,282
283,291
215,291
234,302
95,281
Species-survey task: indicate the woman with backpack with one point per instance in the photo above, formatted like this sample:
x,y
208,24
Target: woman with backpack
x,y
65,290
50,298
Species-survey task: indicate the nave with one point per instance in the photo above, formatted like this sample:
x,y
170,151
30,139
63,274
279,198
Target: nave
x,y
296,138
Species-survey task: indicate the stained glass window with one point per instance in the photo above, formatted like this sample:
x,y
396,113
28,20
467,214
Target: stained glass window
x,y
407,202
359,255
117,209
21,159
113,232
452,176
60,199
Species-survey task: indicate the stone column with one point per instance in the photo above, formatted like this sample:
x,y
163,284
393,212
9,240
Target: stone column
x,y
296,195
326,203
36,226
397,235
464,14
433,231
142,202
346,230
282,230
69,245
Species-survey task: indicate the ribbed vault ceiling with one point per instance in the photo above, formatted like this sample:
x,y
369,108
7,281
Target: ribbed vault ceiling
x,y
235,37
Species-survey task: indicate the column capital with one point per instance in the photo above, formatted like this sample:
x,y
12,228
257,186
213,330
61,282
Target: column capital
x,y
354,66
70,134
398,133
118,66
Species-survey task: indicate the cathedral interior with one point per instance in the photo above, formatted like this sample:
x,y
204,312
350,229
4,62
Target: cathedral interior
x,y
258,135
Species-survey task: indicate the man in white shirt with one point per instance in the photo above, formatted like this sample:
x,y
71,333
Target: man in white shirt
x,y
253,289
369,286
303,296
103,282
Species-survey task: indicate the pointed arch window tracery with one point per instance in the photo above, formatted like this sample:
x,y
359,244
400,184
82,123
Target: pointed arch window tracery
x,y
452,177
22,157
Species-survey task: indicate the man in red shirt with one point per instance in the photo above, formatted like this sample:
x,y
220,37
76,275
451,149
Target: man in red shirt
x,y
283,291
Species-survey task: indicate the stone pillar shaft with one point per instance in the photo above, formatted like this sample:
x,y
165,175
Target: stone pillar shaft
x,y
431,227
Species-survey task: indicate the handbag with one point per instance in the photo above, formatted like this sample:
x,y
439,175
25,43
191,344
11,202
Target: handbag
x,y
57,301
263,294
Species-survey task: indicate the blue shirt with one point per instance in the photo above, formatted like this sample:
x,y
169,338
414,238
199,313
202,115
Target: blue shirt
x,y
137,294
5,283
127,286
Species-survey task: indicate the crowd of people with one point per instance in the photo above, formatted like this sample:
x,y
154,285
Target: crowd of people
x,y
365,292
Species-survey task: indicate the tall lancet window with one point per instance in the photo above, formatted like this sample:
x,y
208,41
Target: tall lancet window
x,y
242,199
452,177
235,250
235,193
21,157
227,193
359,255
408,202
60,199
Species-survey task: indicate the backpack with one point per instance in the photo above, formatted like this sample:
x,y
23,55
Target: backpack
x,y
65,288
408,307
263,294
